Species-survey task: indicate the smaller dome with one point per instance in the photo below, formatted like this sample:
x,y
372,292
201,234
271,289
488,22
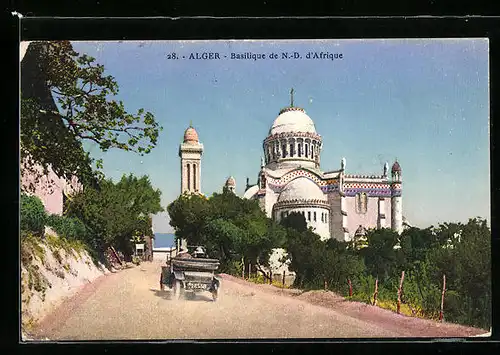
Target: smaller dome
x,y
303,189
190,135
230,181
396,167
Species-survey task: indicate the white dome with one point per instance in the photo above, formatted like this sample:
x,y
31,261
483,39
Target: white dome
x,y
302,188
251,192
292,119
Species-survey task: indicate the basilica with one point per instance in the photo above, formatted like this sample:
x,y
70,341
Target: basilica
x,y
336,204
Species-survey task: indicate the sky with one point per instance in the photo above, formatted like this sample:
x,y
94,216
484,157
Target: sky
x,y
422,102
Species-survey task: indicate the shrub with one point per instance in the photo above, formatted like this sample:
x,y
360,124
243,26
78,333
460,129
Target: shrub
x,y
70,228
32,215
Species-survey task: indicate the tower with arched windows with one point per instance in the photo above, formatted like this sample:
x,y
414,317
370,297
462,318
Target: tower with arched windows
x,y
190,152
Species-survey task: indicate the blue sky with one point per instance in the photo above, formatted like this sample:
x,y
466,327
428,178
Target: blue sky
x,y
424,102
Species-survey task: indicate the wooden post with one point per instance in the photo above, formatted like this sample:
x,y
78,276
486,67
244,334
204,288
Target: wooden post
x,y
350,287
442,299
325,284
283,279
399,291
242,268
270,277
249,270
375,293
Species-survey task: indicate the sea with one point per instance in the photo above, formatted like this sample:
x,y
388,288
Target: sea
x,y
164,240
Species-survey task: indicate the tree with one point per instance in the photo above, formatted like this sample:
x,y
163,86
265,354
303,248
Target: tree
x,y
380,256
67,99
188,216
117,212
228,226
296,221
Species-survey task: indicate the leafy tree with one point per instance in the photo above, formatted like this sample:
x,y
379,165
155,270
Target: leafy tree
x,y
67,99
117,212
188,216
381,259
228,226
296,221
32,215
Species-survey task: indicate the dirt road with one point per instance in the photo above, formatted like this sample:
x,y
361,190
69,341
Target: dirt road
x,y
129,305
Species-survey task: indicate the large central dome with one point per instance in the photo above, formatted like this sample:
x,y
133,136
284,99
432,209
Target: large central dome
x,y
292,119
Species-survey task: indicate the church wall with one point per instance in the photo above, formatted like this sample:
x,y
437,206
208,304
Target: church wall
x,y
388,216
367,220
336,230
270,199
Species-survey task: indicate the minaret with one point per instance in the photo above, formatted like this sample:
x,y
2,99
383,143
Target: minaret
x,y
190,152
396,199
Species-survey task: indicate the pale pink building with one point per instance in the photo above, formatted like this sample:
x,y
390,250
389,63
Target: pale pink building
x,y
50,188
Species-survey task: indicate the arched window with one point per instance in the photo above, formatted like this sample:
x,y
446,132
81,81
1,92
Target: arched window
x,y
283,148
313,147
189,177
314,216
309,215
306,149
194,178
299,147
292,150
361,203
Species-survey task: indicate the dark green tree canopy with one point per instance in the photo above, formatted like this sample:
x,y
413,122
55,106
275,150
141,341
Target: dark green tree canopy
x,y
66,99
117,211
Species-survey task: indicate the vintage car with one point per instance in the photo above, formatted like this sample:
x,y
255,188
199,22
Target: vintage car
x,y
192,275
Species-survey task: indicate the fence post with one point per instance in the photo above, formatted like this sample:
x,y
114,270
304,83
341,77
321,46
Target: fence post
x,y
399,291
350,287
270,277
375,294
249,275
442,298
283,286
242,268
325,284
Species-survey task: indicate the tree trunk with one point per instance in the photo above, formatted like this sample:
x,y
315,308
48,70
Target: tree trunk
x,y
441,315
399,291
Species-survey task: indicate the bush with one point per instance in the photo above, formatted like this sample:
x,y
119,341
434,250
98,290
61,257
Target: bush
x,y
32,215
70,228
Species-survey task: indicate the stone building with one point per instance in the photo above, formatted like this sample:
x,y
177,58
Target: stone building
x,y
335,203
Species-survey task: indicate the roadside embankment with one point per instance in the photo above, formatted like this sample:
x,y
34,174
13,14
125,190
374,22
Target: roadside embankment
x,y
52,269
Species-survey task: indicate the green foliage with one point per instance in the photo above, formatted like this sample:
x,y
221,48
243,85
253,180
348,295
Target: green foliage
x,y
67,99
233,229
462,252
230,228
381,259
68,227
32,215
116,212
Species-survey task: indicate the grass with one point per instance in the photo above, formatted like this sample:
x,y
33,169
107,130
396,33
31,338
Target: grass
x,y
259,279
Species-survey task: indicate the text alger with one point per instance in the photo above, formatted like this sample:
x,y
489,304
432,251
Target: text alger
x,y
204,55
